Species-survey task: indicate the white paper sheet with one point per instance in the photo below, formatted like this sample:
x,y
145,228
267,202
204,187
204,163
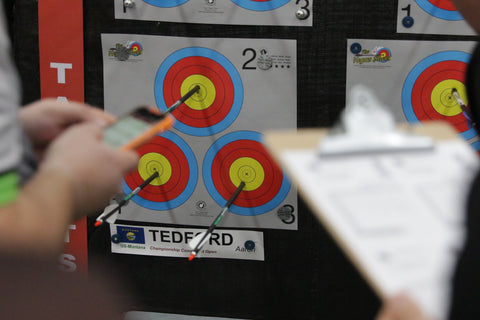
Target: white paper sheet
x,y
399,216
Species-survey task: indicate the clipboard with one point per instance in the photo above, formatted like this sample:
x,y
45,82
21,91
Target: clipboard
x,y
400,229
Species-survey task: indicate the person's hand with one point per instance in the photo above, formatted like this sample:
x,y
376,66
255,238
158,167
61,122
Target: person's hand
x,y
94,169
46,119
401,307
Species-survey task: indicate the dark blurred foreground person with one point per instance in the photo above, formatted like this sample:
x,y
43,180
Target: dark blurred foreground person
x,y
37,290
465,302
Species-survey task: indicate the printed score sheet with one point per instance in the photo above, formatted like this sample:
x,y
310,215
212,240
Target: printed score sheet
x,y
398,216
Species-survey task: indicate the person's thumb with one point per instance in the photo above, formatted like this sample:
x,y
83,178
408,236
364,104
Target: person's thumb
x,y
405,309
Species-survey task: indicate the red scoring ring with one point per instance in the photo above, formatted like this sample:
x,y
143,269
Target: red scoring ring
x,y
214,113
220,78
458,120
261,195
423,87
169,188
246,148
172,185
252,198
180,172
443,4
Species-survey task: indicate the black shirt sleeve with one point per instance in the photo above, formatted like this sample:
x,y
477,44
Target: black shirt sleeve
x,y
465,303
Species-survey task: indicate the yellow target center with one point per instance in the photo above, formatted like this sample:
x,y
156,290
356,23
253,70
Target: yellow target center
x,y
151,162
249,171
203,98
443,100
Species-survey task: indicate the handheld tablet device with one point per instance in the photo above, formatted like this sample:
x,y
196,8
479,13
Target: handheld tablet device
x,y
136,128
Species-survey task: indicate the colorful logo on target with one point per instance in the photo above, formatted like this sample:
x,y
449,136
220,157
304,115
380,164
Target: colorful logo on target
x,y
382,54
377,54
135,47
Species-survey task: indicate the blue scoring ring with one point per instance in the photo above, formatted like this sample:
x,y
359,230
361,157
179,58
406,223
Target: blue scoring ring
x,y
166,3
260,6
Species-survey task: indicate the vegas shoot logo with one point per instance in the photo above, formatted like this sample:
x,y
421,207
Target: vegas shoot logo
x,y
378,54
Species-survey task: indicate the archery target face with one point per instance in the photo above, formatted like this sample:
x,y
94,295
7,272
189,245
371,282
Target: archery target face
x,y
442,9
260,5
240,156
166,3
176,164
225,70
218,102
427,91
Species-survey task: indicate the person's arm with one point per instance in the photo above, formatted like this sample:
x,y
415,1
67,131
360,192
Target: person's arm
x,y
44,120
78,175
35,222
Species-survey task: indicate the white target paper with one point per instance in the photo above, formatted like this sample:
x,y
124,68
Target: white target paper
x,y
431,17
246,12
247,86
414,79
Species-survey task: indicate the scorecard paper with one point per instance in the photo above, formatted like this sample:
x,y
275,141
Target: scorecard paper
x,y
398,216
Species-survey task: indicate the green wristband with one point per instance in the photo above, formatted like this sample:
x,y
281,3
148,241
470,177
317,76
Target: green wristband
x,y
8,187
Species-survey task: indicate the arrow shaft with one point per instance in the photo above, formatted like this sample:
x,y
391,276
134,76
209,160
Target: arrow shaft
x,y
217,220
182,99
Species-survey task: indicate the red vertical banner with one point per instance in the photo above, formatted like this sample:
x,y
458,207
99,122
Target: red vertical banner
x,y
60,35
